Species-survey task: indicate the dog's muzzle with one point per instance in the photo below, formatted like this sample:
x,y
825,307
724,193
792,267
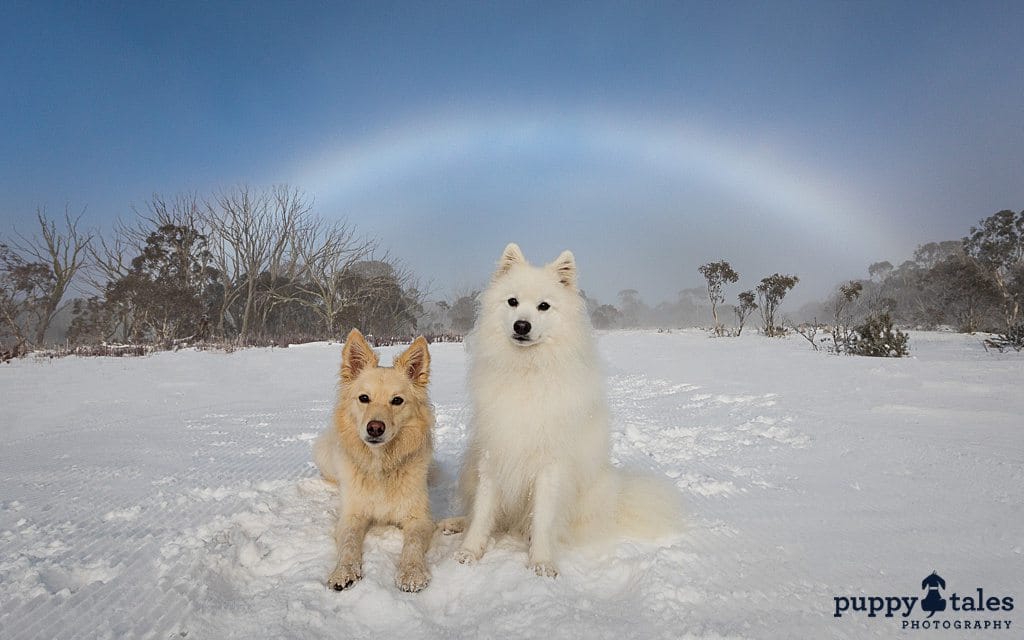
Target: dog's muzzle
x,y
374,432
521,332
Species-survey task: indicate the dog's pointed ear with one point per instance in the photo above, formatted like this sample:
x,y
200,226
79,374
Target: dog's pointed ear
x,y
511,256
564,267
356,356
415,362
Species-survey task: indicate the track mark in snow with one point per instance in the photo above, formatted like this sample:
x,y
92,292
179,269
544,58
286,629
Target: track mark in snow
x,y
705,485
284,531
302,437
697,437
639,387
97,553
69,579
123,515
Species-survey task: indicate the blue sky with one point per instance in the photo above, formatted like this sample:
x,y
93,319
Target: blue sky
x,y
811,138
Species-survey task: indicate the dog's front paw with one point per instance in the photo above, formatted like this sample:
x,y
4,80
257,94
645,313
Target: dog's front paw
x,y
344,576
412,578
451,526
467,556
544,568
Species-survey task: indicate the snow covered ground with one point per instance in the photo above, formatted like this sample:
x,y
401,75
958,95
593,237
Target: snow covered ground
x,y
173,496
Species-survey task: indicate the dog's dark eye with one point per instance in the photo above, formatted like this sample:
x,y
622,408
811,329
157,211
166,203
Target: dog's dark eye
x,y
397,400
512,302
543,306
364,398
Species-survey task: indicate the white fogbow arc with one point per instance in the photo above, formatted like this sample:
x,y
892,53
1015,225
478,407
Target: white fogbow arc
x,y
756,174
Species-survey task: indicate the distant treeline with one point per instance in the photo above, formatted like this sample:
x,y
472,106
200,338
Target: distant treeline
x,y
258,266
972,284
241,266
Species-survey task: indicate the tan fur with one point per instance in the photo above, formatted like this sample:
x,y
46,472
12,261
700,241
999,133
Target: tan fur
x,y
384,484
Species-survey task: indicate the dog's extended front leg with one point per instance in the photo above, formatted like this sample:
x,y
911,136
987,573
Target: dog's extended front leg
x,y
546,511
349,535
412,566
482,518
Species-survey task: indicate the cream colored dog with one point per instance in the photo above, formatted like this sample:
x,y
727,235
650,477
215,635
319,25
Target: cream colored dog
x,y
537,464
378,451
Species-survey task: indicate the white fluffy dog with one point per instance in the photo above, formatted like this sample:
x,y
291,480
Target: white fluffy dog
x,y
537,464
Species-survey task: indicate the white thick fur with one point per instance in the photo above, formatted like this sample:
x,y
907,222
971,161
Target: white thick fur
x,y
537,463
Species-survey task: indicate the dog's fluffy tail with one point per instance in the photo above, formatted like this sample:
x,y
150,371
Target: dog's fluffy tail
x,y
648,507
625,504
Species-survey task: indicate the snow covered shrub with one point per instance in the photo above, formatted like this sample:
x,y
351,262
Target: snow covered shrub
x,y
842,315
1012,339
10,353
809,332
877,337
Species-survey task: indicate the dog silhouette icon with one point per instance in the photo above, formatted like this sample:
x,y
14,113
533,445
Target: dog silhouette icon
x,y
933,601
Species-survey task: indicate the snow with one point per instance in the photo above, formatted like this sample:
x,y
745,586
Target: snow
x,y
174,496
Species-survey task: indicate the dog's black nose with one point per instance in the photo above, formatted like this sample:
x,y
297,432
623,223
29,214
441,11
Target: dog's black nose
x,y
521,327
375,428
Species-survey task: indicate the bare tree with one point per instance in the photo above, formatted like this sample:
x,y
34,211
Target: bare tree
x,y
61,248
110,259
808,331
23,287
326,252
253,235
842,314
